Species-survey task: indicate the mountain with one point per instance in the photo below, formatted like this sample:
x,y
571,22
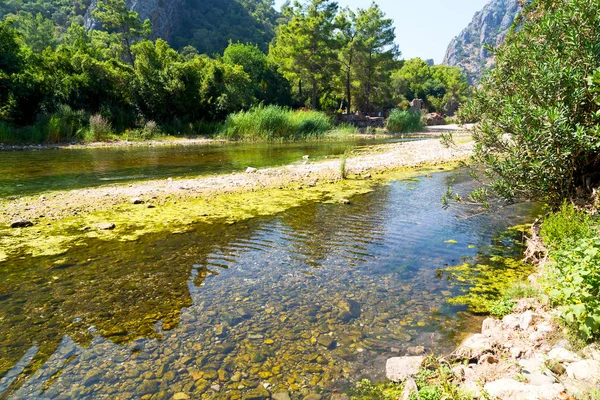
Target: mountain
x,y
208,25
489,26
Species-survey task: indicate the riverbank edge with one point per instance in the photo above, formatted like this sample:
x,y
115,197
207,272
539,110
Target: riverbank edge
x,y
527,354
430,132
53,222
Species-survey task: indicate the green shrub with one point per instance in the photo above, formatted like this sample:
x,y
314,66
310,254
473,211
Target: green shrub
x,y
574,284
404,122
569,224
502,307
65,124
100,128
275,123
539,135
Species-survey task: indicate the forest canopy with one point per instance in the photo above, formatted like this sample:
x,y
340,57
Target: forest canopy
x,y
55,81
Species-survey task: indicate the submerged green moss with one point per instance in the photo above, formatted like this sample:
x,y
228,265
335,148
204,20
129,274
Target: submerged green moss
x,y
179,215
485,279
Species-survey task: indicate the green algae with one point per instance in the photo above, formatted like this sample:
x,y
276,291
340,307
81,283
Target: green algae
x,y
179,215
484,280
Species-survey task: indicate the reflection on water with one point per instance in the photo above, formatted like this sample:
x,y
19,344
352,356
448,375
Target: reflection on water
x,y
306,301
35,171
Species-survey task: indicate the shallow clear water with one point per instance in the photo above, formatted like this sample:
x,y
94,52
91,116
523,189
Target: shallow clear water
x,y
35,171
309,300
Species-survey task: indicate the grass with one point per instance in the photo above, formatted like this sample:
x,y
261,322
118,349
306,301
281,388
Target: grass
x,y
435,380
275,123
401,121
262,123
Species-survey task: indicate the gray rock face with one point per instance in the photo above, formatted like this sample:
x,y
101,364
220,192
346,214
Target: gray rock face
x,y
164,15
489,26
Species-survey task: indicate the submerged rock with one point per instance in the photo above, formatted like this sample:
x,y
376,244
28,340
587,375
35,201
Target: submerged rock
x,y
350,306
397,369
260,393
327,341
21,223
106,226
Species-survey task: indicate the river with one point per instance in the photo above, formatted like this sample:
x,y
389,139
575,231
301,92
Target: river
x,y
305,301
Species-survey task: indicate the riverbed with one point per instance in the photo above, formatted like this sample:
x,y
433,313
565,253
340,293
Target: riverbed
x,y
308,299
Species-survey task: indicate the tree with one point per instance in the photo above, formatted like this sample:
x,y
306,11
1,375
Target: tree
x,y
38,32
539,131
376,54
11,62
304,47
346,37
443,88
125,24
268,85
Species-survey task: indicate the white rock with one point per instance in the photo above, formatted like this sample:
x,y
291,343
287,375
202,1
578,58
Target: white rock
x,y
489,326
409,388
251,170
510,321
587,370
510,389
525,319
592,351
515,352
561,355
471,388
398,369
544,327
476,344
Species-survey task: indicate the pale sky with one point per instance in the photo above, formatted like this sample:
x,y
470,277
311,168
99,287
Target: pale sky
x,y
424,28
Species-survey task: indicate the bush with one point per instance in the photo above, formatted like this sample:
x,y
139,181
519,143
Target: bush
x,y
574,285
539,135
275,123
63,125
404,122
100,128
566,225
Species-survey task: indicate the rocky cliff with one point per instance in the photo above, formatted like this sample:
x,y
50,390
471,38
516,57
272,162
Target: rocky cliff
x,y
164,15
489,26
208,25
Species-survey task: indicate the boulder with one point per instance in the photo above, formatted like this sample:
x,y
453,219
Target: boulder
x,y
251,170
137,200
435,119
587,370
475,345
510,389
397,369
417,105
